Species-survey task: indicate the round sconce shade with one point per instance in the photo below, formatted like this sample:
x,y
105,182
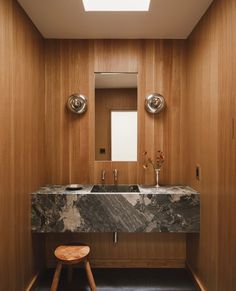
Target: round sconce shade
x,y
77,103
154,103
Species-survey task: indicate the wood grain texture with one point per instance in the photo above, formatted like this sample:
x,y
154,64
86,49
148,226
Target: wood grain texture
x,y
89,274
71,254
202,116
227,147
67,135
56,277
161,70
109,56
70,140
70,67
210,107
132,250
194,277
196,128
22,143
127,172
116,55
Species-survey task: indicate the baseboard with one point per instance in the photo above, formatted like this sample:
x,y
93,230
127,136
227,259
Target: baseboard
x,y
33,283
195,278
142,263
131,263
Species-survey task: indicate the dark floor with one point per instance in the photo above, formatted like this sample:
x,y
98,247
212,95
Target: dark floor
x,y
123,279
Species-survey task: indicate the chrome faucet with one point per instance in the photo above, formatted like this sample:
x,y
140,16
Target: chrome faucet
x,y
103,173
115,176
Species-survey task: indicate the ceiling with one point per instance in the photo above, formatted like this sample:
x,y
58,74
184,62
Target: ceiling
x,y
171,19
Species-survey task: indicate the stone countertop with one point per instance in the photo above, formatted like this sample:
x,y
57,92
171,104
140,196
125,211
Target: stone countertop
x,y
163,209
175,189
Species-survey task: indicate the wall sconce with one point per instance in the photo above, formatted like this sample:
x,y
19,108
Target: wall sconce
x,y
77,103
154,103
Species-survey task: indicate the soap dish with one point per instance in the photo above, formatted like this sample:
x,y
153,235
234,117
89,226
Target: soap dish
x,y
73,187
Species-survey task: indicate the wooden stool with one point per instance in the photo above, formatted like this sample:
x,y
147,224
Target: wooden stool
x,y
71,255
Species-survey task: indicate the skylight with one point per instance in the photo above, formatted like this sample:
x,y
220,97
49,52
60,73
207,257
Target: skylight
x,y
116,5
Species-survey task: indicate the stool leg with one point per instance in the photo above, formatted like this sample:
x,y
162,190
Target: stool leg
x,y
90,275
56,277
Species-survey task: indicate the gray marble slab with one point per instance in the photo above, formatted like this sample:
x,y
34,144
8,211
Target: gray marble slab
x,y
163,209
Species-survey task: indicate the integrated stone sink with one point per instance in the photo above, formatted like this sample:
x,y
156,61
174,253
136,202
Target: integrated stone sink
x,y
115,189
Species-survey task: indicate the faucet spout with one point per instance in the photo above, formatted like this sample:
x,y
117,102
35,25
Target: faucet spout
x,y
115,176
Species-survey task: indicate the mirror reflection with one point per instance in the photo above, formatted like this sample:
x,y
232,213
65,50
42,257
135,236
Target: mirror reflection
x,y
116,116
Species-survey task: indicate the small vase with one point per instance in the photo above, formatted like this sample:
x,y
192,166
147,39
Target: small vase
x,y
157,177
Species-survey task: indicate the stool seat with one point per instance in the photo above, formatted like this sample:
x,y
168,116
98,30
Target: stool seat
x,y
71,254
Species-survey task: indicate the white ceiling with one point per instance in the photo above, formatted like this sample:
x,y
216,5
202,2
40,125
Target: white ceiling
x,y
115,80
67,19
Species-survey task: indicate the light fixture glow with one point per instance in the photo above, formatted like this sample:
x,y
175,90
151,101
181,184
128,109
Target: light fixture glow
x,y
116,5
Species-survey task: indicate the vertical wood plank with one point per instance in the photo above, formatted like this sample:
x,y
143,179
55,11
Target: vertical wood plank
x,y
70,140
210,101
22,143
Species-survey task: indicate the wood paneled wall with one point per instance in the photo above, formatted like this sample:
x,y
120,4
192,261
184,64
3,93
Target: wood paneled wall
x,y
67,136
201,148
210,142
227,147
196,128
21,143
162,70
133,250
70,140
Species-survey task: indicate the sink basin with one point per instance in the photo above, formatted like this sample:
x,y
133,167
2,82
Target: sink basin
x,y
115,188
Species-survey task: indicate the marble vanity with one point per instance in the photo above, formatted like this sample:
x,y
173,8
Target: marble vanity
x,y
164,209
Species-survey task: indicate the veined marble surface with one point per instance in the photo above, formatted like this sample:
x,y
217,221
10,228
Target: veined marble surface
x,y
163,209
61,189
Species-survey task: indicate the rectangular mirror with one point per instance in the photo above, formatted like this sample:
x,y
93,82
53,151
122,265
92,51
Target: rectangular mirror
x,y
116,117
